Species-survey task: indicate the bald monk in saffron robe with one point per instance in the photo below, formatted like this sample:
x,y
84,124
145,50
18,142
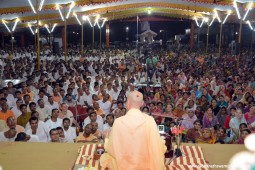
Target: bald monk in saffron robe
x,y
134,142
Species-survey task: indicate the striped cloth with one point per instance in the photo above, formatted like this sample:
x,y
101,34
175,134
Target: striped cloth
x,y
192,159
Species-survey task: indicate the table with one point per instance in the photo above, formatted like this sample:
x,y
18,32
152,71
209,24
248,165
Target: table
x,y
61,156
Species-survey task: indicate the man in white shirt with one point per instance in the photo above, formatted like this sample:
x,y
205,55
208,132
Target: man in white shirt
x,y
23,137
87,96
8,136
70,132
109,122
115,93
41,95
52,104
105,104
16,108
44,111
93,117
54,121
38,129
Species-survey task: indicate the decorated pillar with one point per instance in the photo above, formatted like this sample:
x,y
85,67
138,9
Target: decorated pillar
x,y
22,40
107,35
63,37
192,35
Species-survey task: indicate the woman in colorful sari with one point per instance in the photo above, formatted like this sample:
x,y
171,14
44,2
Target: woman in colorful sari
x,y
209,120
236,121
207,137
244,134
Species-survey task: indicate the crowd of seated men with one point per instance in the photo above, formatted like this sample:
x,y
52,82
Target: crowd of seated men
x,y
78,100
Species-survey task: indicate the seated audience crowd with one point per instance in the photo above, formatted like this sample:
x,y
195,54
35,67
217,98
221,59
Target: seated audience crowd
x,y
78,100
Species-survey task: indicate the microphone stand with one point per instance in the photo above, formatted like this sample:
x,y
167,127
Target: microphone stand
x,y
177,153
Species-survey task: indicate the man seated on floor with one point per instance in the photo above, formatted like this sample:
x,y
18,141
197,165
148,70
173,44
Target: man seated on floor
x,y
93,117
69,132
189,119
23,137
55,137
86,136
5,113
54,121
221,135
12,124
24,117
62,136
38,128
8,136
109,122
95,131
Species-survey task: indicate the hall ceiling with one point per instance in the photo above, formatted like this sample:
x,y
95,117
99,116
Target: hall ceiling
x,y
122,9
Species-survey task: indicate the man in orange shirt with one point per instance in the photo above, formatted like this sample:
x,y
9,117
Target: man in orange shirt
x,y
148,150
98,110
5,113
86,136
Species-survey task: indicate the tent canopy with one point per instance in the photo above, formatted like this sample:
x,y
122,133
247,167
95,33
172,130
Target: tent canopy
x,y
122,9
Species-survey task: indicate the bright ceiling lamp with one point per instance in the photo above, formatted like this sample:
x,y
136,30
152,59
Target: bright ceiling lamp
x,y
32,6
103,22
76,17
212,21
89,21
61,15
70,9
96,20
15,24
237,10
41,5
249,23
202,23
3,21
196,21
29,26
54,25
217,16
47,28
98,25
249,8
229,12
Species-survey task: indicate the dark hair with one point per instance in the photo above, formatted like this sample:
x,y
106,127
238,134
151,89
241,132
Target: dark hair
x,y
110,115
243,124
89,108
22,105
53,110
66,119
21,137
32,103
59,128
197,121
118,102
224,130
92,113
33,118
3,99
145,107
26,95
219,141
216,127
247,130
54,129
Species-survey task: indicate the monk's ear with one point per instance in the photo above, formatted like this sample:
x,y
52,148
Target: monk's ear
x,y
142,103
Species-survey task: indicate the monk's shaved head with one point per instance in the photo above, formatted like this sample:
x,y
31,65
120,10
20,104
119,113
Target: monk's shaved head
x,y
135,100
